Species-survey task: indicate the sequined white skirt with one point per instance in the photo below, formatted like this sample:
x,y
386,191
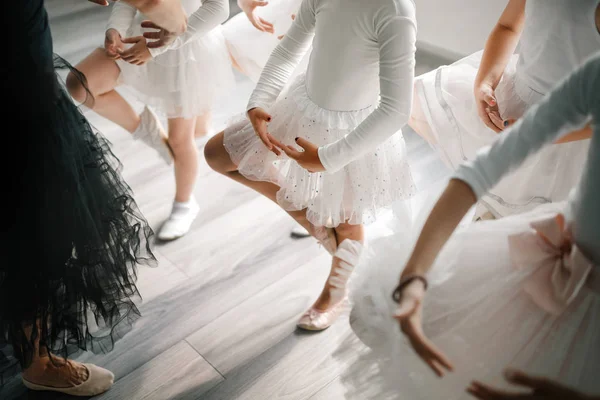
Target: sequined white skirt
x,y
356,193
476,311
184,82
447,102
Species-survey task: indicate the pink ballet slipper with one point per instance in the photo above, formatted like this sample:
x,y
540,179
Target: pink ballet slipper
x,y
318,320
314,319
561,270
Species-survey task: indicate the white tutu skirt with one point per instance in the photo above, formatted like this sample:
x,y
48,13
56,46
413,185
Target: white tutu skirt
x,y
476,311
355,194
185,82
251,48
447,103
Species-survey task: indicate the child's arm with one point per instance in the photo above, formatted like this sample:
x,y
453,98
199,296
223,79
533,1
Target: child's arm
x,y
209,15
396,34
121,17
499,47
285,58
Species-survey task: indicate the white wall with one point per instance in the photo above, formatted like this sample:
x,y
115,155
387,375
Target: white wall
x,y
456,27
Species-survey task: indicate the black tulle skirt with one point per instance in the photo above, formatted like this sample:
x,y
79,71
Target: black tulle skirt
x,y
74,234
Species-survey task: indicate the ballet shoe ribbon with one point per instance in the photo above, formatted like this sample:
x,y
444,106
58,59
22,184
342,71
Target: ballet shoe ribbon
x,y
561,270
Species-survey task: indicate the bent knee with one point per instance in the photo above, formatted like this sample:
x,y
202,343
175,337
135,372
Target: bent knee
x,y
216,156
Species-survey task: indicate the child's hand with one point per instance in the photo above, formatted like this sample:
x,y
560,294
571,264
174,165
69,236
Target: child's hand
x,y
259,118
308,158
160,38
487,107
249,8
138,54
409,315
113,43
539,389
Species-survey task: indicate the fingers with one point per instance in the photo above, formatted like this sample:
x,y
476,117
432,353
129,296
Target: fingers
x,y
150,25
433,357
488,95
268,27
259,3
277,145
293,17
305,144
152,35
256,23
534,382
484,116
280,37
134,39
496,120
290,152
485,392
100,2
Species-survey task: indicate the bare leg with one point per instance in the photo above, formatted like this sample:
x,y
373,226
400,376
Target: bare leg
x,y
203,124
219,160
102,75
181,140
343,231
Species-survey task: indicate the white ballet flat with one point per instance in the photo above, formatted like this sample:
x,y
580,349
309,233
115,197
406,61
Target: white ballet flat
x,y
313,319
153,134
180,221
99,381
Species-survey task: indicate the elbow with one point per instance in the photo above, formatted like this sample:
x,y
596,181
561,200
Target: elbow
x,y
398,117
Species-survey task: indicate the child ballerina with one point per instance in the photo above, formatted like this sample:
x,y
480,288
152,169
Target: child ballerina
x,y
181,79
522,291
353,162
554,38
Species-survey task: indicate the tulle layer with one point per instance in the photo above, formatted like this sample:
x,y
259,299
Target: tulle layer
x,y
76,235
184,82
250,47
447,103
356,194
475,311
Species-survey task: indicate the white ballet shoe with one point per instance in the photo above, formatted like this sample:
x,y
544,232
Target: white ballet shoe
x,y
151,132
179,222
99,381
313,319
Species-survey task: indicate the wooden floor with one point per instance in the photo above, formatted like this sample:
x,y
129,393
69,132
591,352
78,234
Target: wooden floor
x,y
219,311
